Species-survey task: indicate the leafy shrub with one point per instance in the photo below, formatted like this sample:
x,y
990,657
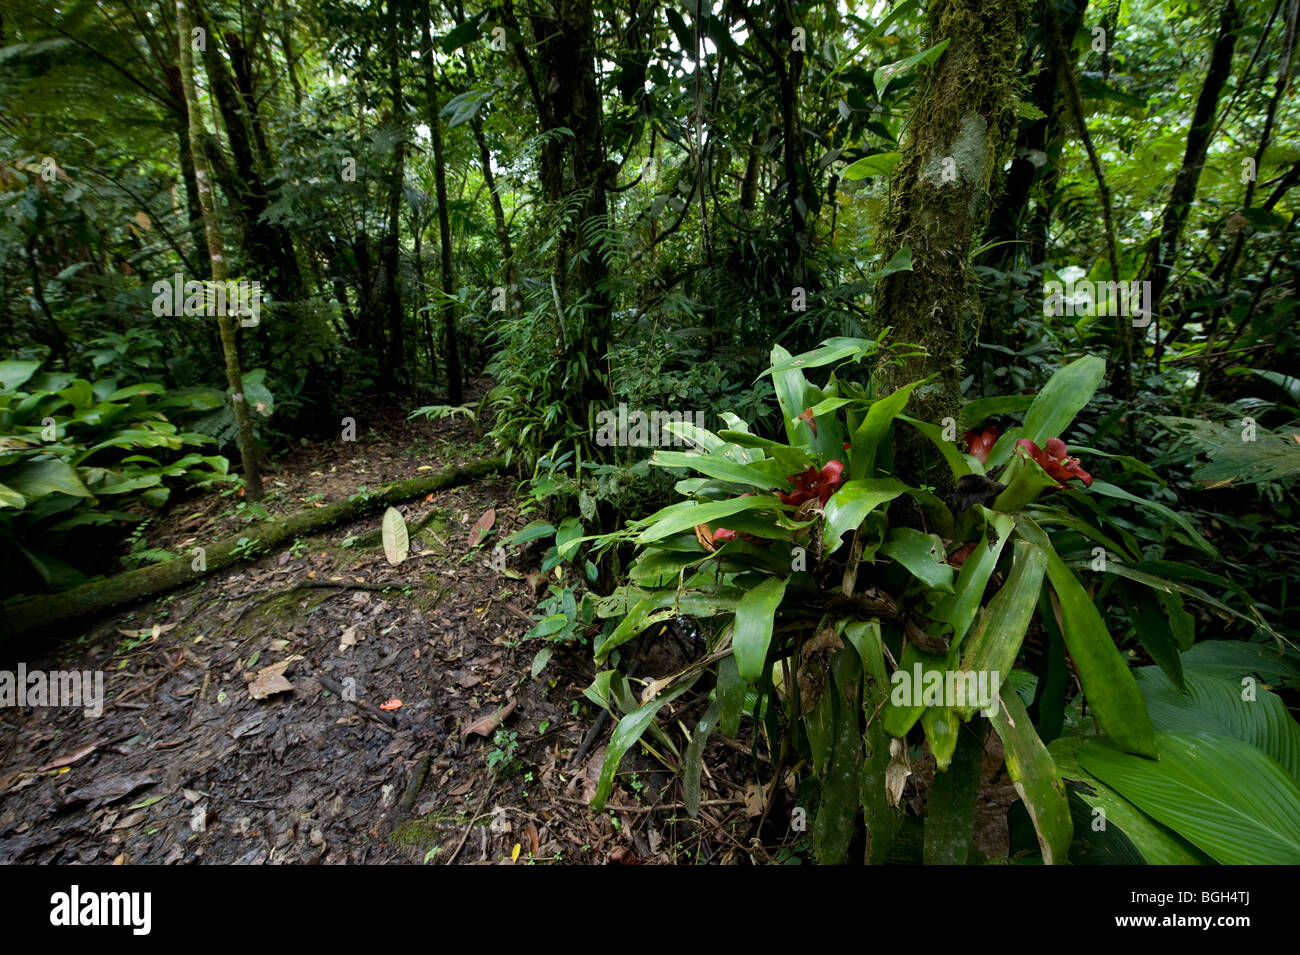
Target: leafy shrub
x,y
75,453
826,600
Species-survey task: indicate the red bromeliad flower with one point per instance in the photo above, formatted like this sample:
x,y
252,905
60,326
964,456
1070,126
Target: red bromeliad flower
x,y
1056,461
814,484
979,444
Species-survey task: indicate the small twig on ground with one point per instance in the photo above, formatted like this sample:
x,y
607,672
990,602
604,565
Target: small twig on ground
x,y
337,689
478,814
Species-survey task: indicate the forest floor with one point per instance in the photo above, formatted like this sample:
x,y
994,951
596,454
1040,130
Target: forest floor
x,y
242,719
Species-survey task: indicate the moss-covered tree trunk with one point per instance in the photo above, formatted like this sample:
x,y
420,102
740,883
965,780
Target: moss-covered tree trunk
x,y
216,256
961,128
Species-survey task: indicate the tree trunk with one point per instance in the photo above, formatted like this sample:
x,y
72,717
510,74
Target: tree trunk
x,y
217,259
571,99
962,124
455,389
1164,248
395,358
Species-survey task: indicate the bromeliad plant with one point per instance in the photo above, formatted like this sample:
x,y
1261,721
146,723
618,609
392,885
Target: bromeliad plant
x,y
844,621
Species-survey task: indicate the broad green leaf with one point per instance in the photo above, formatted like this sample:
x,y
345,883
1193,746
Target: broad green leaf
x,y
832,350
941,725
699,437
1156,844
396,542
995,642
1235,659
1107,682
534,531
1064,396
717,466
672,520
754,619
1223,707
731,697
882,818
1035,777
1153,630
793,460
887,74
974,412
130,391
693,764
849,506
959,608
630,729
877,164
1026,481
11,498
1224,796
957,462
900,713
37,477
649,609
922,554
15,374
833,828
900,261
791,390
950,811
865,441
542,657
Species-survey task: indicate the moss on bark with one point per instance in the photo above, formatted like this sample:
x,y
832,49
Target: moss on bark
x,y
961,128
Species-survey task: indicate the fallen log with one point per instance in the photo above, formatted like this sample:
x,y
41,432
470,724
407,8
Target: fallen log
x,y
47,611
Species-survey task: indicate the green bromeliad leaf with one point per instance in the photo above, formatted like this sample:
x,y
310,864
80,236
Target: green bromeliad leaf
x,y
1035,777
754,619
1107,681
849,506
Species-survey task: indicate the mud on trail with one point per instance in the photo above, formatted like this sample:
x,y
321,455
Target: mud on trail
x,y
319,705
252,717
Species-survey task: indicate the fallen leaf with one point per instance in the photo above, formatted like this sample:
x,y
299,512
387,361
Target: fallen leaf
x,y
396,540
482,526
109,789
488,724
270,685
622,855
393,704
349,638
534,839
514,853
271,680
69,758
463,788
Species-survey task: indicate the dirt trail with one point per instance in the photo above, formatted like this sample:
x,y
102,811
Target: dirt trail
x,y
186,765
